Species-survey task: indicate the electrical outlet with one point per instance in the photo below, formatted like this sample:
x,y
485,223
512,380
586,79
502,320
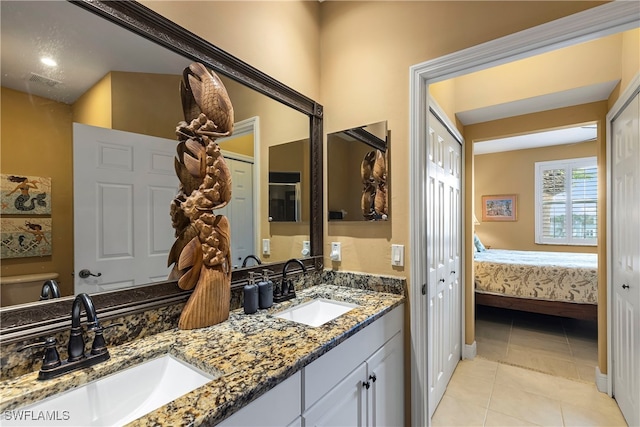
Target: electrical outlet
x,y
306,248
266,247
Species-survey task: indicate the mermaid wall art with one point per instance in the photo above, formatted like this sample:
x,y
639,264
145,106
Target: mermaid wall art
x,y
25,195
25,237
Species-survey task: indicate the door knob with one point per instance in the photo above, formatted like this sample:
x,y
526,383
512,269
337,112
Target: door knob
x,y
84,273
625,286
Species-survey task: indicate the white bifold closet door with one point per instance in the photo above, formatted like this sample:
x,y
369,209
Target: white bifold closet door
x,y
444,292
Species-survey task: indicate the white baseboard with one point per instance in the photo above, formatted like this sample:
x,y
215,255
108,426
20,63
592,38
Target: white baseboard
x,y
469,351
601,381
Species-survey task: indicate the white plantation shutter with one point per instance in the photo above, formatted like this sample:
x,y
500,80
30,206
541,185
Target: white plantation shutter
x,y
566,202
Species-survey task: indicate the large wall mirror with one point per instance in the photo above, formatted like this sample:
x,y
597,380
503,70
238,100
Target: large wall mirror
x,y
117,78
358,159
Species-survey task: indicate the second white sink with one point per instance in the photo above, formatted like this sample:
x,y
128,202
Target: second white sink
x,y
316,312
116,399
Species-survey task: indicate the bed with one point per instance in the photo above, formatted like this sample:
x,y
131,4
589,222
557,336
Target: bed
x,y
555,283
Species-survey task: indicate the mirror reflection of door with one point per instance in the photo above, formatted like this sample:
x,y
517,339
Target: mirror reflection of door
x,y
123,186
284,197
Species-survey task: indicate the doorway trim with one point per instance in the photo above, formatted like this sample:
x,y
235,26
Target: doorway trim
x,y
587,25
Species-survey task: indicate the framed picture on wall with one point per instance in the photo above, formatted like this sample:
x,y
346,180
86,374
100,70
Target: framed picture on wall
x,y
25,237
499,208
25,195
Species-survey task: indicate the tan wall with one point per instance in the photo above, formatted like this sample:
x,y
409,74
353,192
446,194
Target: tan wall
x,y
36,140
287,237
280,38
513,172
93,108
144,103
629,62
630,56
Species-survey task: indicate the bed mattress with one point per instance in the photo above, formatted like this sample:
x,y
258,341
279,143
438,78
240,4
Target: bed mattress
x,y
551,276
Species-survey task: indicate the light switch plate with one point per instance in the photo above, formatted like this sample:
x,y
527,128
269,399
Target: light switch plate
x,y
336,252
306,248
397,255
266,247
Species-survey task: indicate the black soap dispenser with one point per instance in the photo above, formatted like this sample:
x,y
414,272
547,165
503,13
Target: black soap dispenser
x,y
251,295
265,290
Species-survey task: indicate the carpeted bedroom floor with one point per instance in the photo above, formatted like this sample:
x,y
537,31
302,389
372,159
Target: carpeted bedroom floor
x,y
549,344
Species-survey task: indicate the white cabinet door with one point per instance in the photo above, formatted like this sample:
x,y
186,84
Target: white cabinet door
x,y
344,405
386,376
277,407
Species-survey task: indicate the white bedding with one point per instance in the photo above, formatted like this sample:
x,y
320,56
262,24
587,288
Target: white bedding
x,y
552,276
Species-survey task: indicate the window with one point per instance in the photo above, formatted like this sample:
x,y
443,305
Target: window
x,y
566,202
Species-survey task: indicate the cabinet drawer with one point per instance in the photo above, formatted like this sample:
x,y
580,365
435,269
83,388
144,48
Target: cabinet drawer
x,y
324,373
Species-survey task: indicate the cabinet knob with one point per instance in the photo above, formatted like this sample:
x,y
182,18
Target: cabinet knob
x,y
373,377
366,384
625,286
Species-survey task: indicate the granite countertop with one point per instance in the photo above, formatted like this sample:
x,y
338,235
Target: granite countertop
x,y
248,355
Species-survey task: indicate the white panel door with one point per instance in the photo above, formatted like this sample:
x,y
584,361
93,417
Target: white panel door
x,y
625,239
443,257
240,210
123,186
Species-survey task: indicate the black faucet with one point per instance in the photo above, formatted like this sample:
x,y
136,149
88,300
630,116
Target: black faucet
x,y
49,290
287,289
76,338
52,367
248,257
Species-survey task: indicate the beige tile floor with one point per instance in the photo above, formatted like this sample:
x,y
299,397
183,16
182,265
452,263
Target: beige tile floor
x,y
554,345
488,393
530,370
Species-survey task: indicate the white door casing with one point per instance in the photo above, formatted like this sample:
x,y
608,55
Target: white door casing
x,y
123,186
624,262
590,24
443,218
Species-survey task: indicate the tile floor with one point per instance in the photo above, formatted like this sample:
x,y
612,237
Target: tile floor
x,y
554,345
529,371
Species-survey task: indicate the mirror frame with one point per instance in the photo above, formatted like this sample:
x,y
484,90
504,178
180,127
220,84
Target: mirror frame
x,y
31,320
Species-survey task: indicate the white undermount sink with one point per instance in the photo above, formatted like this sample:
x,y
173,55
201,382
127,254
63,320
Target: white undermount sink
x,y
316,312
116,399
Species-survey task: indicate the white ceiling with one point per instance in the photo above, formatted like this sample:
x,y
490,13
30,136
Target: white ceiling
x,y
85,46
537,140
567,98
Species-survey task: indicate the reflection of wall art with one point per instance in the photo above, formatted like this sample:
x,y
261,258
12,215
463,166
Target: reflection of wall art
x,y
25,237
499,208
28,195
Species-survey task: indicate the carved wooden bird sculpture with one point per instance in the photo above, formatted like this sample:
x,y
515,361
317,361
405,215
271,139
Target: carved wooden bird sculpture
x,y
368,185
201,254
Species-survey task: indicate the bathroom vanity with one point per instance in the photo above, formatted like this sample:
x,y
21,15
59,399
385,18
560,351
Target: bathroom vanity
x,y
266,370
